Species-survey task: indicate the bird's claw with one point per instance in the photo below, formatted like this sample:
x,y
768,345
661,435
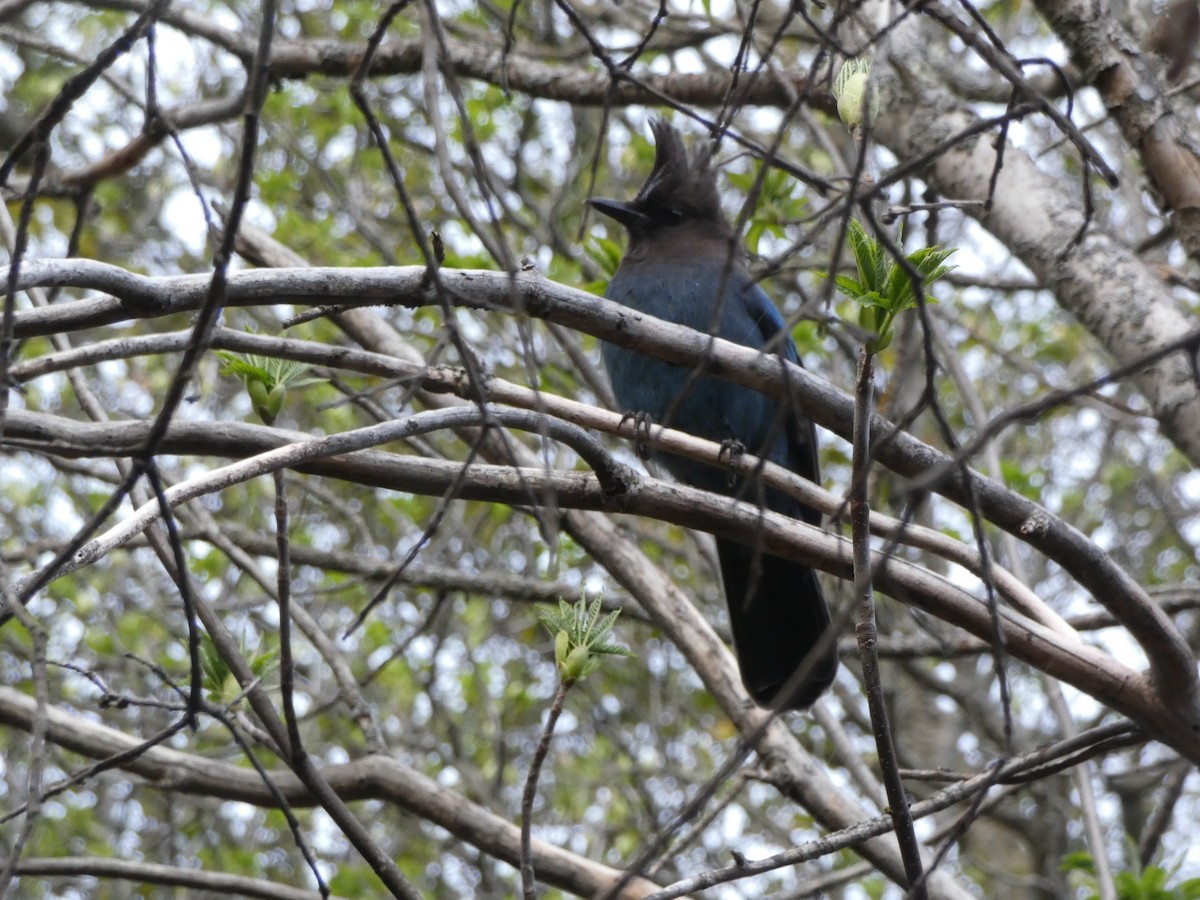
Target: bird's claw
x,y
641,432
732,450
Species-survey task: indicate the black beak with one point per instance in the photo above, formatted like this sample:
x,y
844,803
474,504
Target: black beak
x,y
625,213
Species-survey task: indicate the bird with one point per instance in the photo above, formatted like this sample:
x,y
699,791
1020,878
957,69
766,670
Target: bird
x,y
681,265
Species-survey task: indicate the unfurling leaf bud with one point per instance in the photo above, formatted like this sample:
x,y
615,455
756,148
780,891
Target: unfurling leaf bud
x,y
260,399
274,403
576,665
562,646
856,101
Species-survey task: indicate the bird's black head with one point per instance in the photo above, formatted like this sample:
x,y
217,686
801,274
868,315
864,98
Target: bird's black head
x,y
679,192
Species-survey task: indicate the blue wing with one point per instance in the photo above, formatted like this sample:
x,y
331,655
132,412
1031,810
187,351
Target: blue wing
x,y
797,447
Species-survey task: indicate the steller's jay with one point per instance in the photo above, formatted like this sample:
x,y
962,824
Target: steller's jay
x,y
681,266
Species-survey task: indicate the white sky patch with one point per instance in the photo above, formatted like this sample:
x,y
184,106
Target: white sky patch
x,y
10,68
1188,489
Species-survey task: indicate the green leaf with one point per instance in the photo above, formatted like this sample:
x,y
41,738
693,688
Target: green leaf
x,y
753,235
874,299
884,287
248,367
580,637
605,253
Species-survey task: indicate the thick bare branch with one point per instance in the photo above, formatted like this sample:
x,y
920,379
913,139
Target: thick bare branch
x,y
1170,657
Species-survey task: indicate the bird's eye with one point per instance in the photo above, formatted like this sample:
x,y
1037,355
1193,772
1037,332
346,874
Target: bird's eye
x,y
674,215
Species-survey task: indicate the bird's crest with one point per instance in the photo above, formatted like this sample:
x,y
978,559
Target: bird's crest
x,y
677,183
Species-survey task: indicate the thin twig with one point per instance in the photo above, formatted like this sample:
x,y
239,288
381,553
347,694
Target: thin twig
x,y
283,586
867,634
1160,815
528,884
